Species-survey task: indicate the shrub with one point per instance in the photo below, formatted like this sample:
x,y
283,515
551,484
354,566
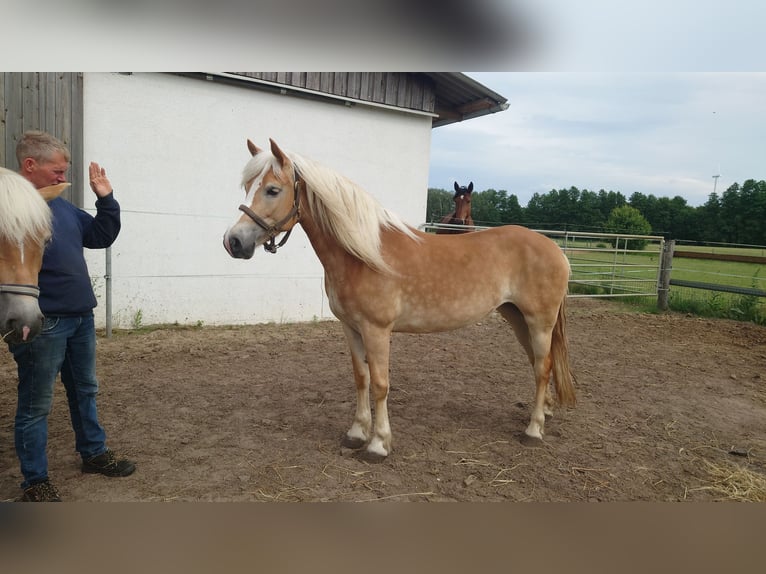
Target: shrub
x,y
628,220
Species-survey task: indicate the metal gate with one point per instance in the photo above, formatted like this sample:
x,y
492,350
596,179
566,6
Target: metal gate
x,y
603,264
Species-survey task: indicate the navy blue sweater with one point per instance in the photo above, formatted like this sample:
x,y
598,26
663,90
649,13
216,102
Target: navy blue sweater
x,y
65,286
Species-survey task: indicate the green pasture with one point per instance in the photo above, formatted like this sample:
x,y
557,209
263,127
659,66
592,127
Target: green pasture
x,y
718,303
607,273
722,249
632,275
733,273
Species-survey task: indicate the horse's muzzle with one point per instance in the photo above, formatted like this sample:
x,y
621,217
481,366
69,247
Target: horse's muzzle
x,y
226,245
20,318
236,248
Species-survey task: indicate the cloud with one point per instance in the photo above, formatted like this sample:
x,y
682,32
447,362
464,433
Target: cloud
x,y
660,134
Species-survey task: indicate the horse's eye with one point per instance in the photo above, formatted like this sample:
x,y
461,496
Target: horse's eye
x,y
272,191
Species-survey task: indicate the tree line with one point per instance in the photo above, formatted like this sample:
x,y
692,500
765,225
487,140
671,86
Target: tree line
x,y
738,215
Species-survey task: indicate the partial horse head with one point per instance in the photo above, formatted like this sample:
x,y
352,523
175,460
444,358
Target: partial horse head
x,y
462,199
25,227
462,212
271,203
284,189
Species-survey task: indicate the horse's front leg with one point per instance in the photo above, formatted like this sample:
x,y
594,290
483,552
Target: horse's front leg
x,y
359,433
377,343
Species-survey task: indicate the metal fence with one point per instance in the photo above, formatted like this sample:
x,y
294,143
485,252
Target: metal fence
x,y
603,264
722,267
720,279
611,265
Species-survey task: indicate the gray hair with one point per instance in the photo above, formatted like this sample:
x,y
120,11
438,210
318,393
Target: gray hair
x,y
40,146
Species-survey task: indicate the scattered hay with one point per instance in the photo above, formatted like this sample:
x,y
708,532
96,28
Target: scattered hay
x,y
735,482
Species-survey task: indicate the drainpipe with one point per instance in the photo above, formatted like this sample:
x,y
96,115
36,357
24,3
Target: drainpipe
x,y
108,277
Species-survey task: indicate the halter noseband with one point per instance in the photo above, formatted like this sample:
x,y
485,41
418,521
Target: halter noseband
x,y
273,230
17,289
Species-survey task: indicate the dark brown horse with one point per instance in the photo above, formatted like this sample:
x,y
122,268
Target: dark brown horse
x,y
382,275
461,215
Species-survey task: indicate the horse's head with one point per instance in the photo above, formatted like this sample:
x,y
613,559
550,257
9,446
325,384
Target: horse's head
x,y
25,227
462,199
271,203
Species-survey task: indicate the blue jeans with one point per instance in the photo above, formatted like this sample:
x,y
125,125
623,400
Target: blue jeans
x,y
67,345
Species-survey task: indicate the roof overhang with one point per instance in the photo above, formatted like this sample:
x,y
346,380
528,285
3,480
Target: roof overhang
x,y
459,98
456,96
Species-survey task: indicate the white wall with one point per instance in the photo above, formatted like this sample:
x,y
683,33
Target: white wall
x,y
174,149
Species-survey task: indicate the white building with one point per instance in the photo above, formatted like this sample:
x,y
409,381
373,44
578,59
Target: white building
x,y
174,146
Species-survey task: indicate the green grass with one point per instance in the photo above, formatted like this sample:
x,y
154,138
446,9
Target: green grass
x,y
725,249
623,274
631,273
716,304
733,273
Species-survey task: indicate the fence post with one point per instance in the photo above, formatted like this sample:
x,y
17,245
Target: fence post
x,y
663,289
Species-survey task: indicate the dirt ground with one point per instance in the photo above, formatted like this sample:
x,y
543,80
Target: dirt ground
x,y
670,408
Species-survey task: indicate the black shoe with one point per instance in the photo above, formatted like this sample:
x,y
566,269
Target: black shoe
x,y
41,492
107,464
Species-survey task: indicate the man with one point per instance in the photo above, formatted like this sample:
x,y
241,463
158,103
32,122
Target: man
x,y
67,344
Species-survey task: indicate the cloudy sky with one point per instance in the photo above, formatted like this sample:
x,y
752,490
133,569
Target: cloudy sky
x,y
664,133
654,96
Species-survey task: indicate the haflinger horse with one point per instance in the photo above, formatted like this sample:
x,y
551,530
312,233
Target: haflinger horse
x,y
25,228
461,215
382,275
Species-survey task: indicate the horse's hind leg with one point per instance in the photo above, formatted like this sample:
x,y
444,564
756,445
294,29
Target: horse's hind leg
x,y
537,346
359,433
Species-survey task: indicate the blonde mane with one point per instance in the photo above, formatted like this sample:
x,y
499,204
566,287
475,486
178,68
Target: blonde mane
x,y
340,207
23,212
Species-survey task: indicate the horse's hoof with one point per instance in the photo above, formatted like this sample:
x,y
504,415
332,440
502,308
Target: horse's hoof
x,y
531,441
371,457
353,443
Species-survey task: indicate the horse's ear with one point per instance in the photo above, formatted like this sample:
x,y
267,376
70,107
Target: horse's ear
x,y
254,149
278,153
457,187
470,187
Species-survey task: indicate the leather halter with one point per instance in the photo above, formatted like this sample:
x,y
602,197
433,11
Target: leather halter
x,y
273,230
17,289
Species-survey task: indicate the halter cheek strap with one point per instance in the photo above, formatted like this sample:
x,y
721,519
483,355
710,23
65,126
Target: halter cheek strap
x,y
273,230
17,289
